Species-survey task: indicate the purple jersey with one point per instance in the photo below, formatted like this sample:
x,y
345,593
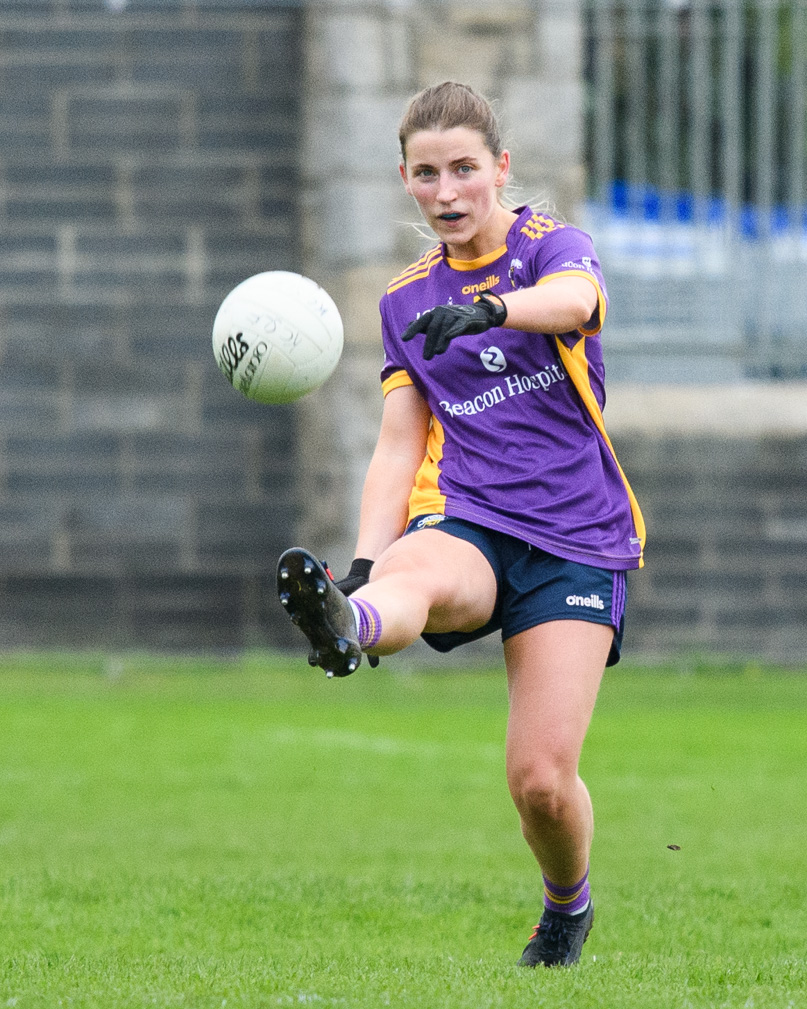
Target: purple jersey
x,y
517,441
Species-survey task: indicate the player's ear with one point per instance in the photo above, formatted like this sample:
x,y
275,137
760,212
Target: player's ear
x,y
502,169
402,170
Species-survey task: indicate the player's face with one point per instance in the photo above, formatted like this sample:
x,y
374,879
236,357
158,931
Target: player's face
x,y
455,180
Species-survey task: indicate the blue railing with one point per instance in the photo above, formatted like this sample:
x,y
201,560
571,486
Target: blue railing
x,y
645,203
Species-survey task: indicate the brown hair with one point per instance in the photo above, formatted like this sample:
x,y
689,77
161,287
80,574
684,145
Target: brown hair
x,y
445,106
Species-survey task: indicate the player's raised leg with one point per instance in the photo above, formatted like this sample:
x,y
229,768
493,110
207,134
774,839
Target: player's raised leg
x,y
431,581
427,580
554,672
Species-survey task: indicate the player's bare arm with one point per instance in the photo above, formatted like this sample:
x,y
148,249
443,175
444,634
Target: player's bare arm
x,y
561,305
398,455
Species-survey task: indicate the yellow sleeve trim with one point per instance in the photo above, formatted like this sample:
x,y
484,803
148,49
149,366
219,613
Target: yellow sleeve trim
x,y
397,380
417,271
601,305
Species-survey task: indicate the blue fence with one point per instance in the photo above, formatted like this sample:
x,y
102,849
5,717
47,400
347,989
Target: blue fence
x,y
697,166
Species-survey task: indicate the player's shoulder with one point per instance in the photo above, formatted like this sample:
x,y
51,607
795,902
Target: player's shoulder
x,y
541,237
537,225
416,271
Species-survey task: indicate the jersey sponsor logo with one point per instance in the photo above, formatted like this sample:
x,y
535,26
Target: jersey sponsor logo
x,y
429,521
541,380
584,264
592,602
484,401
486,285
493,359
514,385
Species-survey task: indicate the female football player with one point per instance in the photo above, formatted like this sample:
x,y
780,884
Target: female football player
x,y
494,500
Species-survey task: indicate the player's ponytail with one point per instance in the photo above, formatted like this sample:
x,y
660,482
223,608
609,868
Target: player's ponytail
x,y
445,106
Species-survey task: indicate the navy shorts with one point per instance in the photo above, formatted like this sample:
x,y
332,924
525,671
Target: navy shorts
x,y
533,587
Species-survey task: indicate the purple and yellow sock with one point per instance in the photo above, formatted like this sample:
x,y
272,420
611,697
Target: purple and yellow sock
x,y
567,899
368,622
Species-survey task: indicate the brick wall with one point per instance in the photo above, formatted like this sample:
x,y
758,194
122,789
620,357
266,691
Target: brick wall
x,y
726,560
148,163
721,474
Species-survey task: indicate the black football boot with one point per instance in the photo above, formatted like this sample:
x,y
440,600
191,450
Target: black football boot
x,y
313,602
558,939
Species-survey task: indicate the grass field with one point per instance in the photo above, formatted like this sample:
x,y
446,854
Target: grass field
x,y
202,834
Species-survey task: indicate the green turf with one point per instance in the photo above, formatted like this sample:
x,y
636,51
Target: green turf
x,y
202,834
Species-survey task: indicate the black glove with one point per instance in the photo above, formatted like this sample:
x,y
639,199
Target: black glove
x,y
356,578
442,324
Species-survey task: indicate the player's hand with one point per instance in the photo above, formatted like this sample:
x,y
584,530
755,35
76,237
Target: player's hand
x,y
357,577
446,322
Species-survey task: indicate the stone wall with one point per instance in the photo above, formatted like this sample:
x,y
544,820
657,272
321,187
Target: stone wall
x,y
721,474
148,163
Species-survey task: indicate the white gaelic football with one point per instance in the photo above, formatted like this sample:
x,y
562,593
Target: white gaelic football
x,y
277,336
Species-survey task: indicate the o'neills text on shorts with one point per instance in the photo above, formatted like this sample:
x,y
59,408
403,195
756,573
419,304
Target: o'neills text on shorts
x,y
593,601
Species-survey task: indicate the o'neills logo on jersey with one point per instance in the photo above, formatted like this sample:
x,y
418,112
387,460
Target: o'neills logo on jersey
x,y
486,285
593,602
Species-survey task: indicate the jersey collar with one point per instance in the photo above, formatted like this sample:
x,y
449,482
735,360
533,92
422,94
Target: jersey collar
x,y
465,265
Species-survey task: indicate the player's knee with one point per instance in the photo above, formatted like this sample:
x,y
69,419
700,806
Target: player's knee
x,y
409,569
393,562
541,789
